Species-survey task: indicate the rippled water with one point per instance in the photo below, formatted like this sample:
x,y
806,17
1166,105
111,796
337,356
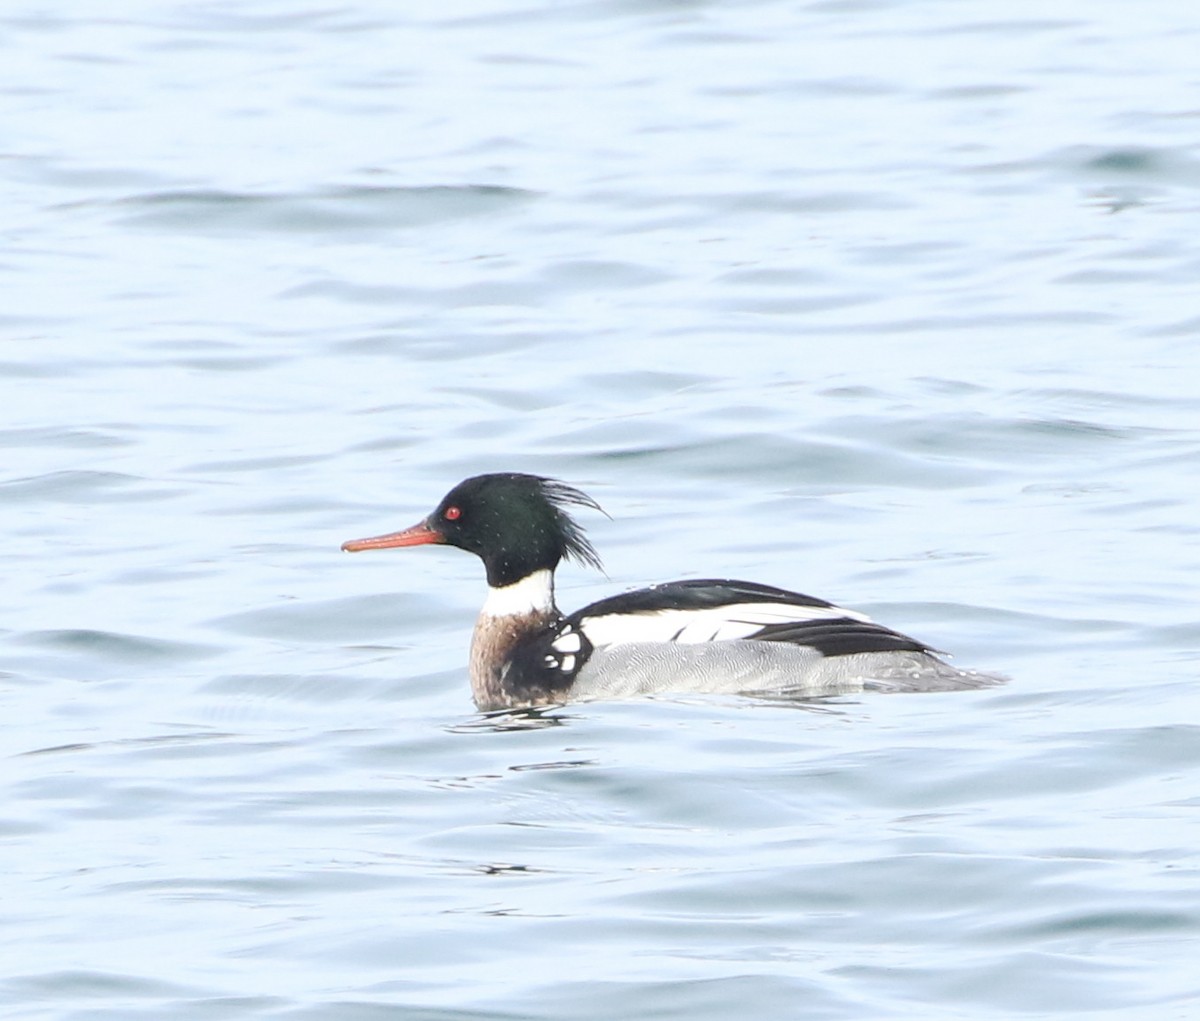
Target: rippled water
x,y
891,303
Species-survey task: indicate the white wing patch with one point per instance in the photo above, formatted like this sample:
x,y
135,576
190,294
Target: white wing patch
x,y
715,624
564,650
567,642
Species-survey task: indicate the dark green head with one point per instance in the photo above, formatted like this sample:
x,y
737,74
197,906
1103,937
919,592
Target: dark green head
x,y
516,524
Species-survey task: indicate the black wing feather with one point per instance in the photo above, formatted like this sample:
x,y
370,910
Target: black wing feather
x,y
841,637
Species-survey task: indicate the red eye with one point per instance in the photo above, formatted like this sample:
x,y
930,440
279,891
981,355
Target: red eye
x,y
452,514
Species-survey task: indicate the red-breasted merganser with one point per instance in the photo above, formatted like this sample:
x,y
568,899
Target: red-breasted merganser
x,y
696,635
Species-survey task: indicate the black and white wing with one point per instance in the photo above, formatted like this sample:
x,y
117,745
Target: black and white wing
x,y
717,610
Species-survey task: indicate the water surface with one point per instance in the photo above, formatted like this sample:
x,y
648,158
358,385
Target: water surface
x,y
892,304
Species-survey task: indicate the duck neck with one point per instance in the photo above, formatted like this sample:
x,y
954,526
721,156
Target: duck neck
x,y
510,613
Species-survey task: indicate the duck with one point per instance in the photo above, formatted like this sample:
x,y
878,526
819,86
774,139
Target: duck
x,y
699,635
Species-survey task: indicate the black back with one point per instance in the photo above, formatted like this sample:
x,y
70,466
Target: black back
x,y
696,594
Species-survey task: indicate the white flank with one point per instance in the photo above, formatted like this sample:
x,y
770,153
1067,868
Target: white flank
x,y
532,594
716,624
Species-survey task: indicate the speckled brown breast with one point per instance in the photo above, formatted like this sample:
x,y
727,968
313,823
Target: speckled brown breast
x,y
492,643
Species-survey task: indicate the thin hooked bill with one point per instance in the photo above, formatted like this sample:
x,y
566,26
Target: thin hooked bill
x,y
419,535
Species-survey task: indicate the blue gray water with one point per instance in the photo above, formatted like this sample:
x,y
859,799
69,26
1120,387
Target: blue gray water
x,y
895,304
